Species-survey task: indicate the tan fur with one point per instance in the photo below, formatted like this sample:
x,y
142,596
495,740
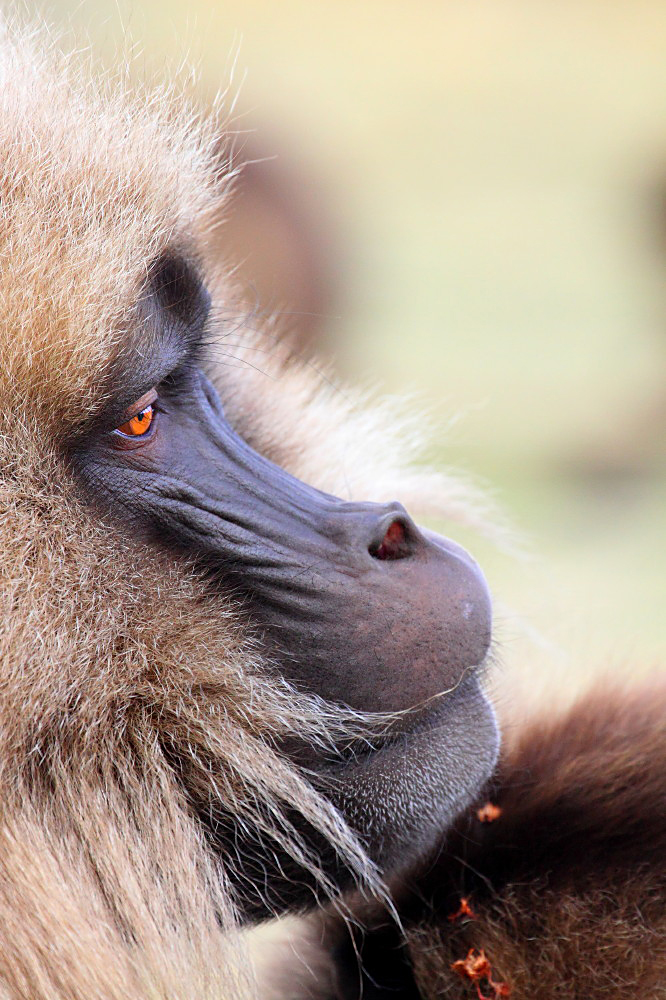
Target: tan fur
x,y
110,652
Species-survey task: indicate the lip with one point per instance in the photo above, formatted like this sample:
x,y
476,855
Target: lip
x,y
397,730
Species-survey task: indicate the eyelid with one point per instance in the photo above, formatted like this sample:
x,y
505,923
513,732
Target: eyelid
x,y
143,403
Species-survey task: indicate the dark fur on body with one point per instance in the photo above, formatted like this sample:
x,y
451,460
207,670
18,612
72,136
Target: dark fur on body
x,y
567,886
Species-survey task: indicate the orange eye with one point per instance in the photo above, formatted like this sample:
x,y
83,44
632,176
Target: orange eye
x,y
140,426
140,423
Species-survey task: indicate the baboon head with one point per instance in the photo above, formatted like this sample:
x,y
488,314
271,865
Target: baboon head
x,y
188,629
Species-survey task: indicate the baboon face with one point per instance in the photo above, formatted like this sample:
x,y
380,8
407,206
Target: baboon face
x,y
350,603
353,602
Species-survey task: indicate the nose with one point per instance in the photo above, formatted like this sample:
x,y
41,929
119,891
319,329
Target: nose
x,y
359,535
394,535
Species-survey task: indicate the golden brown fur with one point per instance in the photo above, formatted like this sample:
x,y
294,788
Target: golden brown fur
x,y
111,652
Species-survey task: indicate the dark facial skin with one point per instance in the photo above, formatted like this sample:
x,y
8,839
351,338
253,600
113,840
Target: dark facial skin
x,y
353,600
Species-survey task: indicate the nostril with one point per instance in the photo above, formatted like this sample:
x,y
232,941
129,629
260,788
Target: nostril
x,y
394,543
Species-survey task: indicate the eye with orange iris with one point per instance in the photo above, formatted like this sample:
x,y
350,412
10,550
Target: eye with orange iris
x,y
139,424
138,428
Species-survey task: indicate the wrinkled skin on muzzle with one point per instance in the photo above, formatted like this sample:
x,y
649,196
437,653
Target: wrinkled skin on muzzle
x,y
352,601
358,604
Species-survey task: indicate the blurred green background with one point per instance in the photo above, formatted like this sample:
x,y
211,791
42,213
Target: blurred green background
x,y
481,191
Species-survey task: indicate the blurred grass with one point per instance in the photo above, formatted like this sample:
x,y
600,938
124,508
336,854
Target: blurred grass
x,y
493,174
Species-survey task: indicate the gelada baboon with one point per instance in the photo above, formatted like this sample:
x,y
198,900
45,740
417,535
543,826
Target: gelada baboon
x,y
225,692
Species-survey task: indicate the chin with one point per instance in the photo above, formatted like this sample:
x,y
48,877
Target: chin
x,y
406,793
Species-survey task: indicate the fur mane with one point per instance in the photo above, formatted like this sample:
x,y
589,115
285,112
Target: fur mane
x,y
112,653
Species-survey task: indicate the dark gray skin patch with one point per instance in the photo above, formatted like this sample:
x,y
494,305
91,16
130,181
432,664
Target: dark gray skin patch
x,y
355,603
